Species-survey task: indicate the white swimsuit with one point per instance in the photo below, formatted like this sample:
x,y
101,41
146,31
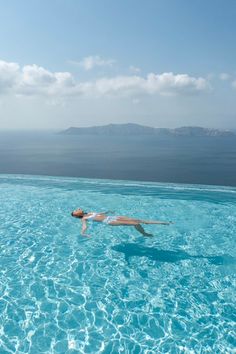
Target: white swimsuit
x,y
92,216
108,219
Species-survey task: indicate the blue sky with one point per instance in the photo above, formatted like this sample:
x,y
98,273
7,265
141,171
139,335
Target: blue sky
x,y
163,63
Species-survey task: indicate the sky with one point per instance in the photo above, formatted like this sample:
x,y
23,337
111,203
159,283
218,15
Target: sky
x,y
162,63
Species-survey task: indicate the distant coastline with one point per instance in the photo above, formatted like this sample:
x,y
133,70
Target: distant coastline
x,y
137,129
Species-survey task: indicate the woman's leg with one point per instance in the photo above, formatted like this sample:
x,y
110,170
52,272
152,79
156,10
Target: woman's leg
x,y
131,222
139,221
155,222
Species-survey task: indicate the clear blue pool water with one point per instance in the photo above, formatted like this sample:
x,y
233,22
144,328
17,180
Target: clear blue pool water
x,y
116,292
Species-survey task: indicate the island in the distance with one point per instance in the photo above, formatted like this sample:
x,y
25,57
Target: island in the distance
x,y
137,129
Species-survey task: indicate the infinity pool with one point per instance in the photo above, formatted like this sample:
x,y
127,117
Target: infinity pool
x,y
116,292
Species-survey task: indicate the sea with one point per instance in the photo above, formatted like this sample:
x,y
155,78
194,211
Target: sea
x,y
197,160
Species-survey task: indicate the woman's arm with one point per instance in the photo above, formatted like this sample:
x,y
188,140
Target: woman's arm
x,y
84,226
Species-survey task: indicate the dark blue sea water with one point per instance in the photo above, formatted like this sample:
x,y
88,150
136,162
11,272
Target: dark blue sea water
x,y
205,160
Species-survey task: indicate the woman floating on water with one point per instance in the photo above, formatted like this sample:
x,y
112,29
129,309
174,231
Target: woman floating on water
x,y
114,220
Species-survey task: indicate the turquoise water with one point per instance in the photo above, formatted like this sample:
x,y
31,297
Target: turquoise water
x,y
116,292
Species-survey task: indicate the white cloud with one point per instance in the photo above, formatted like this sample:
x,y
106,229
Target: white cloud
x,y
224,76
8,75
163,84
92,61
134,69
35,80
169,83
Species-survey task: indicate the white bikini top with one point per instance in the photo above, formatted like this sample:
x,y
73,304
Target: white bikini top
x,y
92,216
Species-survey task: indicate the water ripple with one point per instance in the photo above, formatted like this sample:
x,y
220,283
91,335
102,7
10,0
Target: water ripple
x,y
116,292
